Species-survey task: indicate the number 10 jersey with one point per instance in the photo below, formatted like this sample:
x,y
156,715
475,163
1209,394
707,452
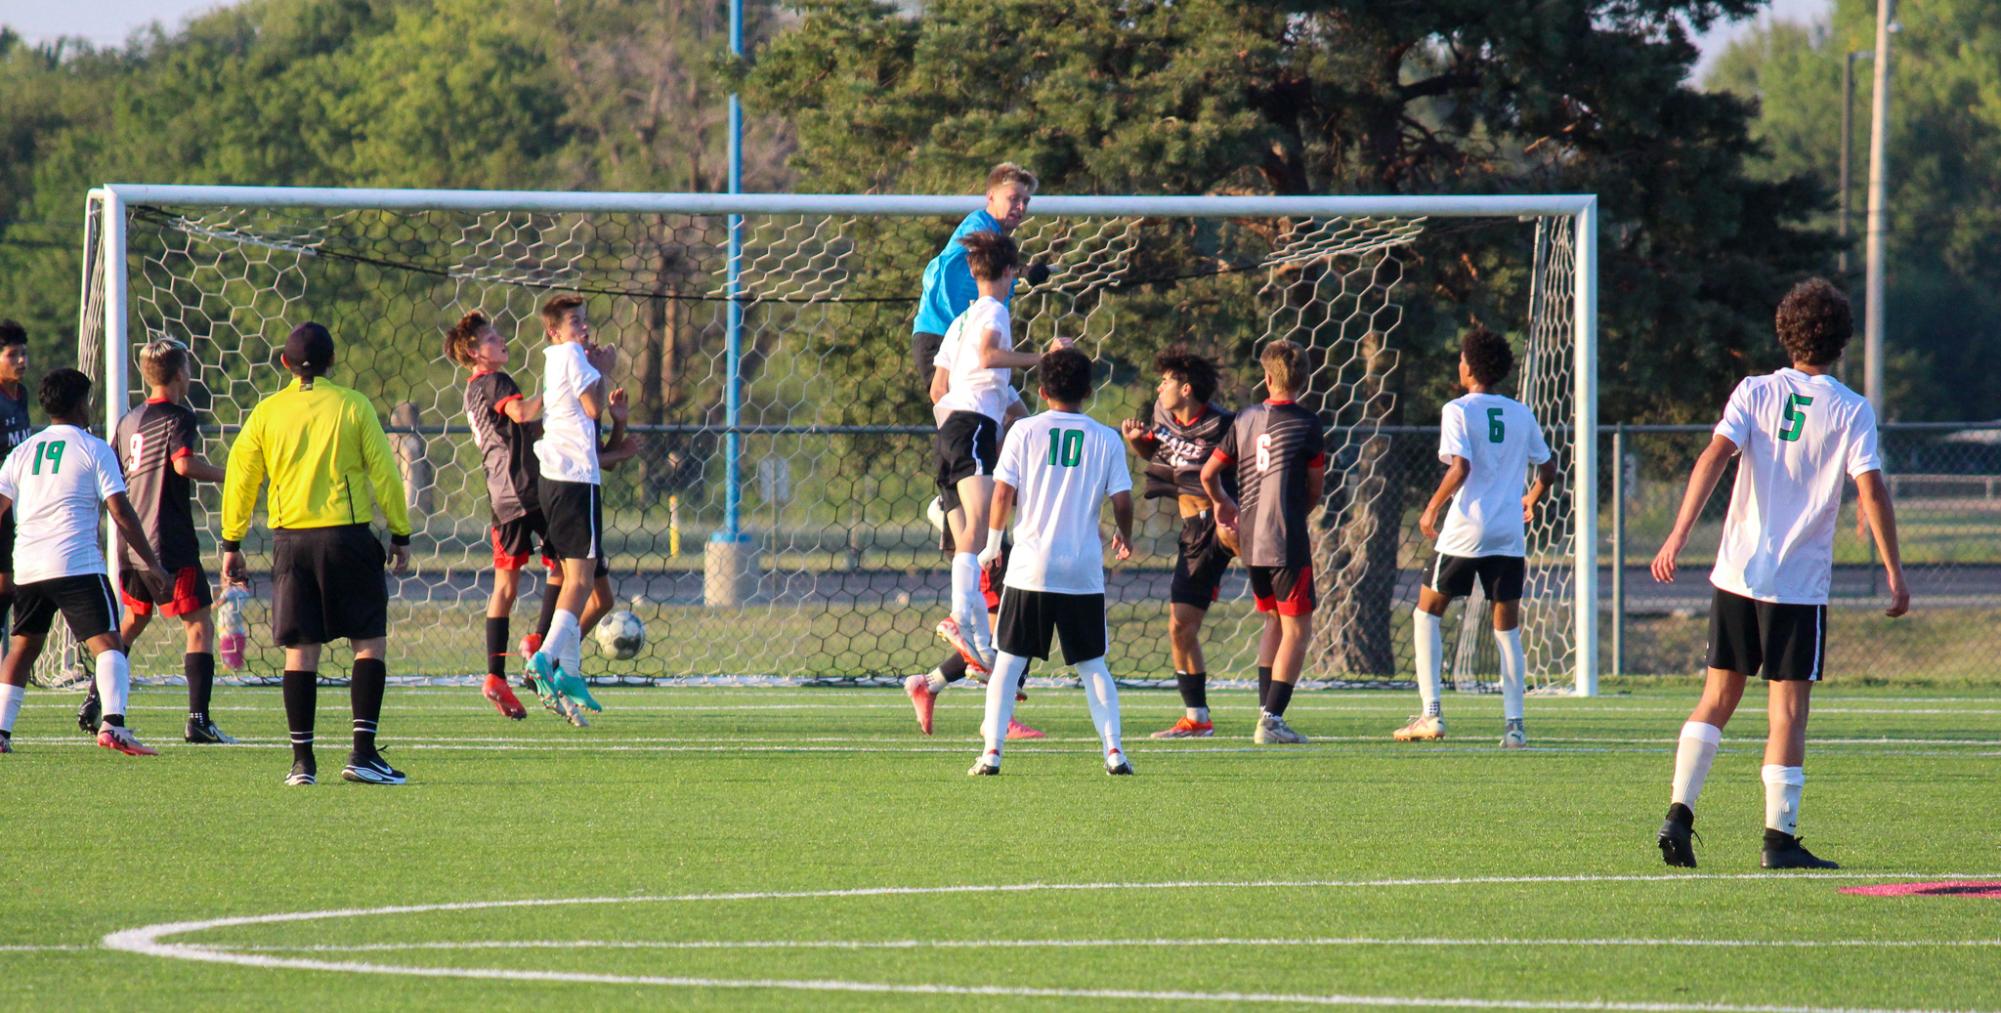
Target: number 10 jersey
x,y
1063,466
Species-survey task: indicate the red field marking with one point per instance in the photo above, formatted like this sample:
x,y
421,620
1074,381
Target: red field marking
x,y
1950,888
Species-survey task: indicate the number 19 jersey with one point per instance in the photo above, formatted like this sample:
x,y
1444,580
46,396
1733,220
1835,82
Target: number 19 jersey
x,y
56,479
1797,435
1063,467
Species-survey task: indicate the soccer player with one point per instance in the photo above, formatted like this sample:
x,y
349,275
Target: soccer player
x,y
949,286
1278,451
575,396
14,430
1486,441
56,479
1795,433
972,389
159,447
322,447
1182,435
1059,466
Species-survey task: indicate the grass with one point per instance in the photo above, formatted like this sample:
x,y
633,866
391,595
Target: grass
x,y
678,792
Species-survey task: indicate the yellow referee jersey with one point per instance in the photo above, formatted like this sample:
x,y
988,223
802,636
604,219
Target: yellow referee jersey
x,y
329,464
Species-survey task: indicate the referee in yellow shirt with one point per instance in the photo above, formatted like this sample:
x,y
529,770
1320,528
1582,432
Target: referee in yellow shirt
x,y
330,467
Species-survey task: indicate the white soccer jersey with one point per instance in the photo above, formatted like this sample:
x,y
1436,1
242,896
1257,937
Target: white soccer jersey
x,y
56,479
568,449
1499,437
1797,437
973,389
1063,467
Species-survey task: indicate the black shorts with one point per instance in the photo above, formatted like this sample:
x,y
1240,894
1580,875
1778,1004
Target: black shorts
x,y
575,511
1028,618
967,444
516,540
1784,643
7,540
328,584
85,601
1199,563
1501,577
924,356
1286,590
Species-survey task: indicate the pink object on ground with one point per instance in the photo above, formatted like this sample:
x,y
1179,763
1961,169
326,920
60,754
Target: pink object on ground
x,y
1948,888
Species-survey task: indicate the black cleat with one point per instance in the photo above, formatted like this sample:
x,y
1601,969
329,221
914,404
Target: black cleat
x,y
90,716
203,731
984,769
1674,837
304,772
1118,767
1784,851
370,768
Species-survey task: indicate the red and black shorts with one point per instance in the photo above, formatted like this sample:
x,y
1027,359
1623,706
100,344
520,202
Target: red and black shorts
x,y
1286,590
191,592
516,540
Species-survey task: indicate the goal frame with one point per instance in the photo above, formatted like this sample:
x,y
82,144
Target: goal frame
x,y
111,200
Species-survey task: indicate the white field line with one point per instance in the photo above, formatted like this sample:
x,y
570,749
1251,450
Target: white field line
x,y
149,941
1187,745
1056,944
49,948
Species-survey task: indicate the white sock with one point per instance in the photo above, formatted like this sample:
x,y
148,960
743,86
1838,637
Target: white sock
x,y
1692,759
1102,694
1513,672
1197,713
969,606
1429,640
1008,671
565,643
934,681
114,680
10,705
1782,798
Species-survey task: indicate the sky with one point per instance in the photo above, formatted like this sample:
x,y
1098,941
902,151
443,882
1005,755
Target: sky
x,y
109,22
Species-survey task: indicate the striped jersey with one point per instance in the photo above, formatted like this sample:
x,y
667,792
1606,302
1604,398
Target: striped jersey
x,y
506,447
1273,445
149,440
1181,448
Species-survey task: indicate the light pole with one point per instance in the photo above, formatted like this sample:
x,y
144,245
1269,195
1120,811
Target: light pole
x,y
1872,376
1847,147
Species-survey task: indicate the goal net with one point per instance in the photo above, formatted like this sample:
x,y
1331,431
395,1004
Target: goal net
x,y
774,524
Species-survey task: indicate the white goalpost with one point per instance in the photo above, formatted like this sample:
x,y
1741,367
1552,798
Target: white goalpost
x,y
773,524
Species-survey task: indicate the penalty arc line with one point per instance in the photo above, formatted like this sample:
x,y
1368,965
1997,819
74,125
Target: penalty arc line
x,y
1057,944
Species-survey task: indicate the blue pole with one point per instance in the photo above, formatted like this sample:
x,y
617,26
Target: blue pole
x,y
733,355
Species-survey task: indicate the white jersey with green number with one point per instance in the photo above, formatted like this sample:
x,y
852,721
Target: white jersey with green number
x,y
1063,467
56,479
1499,438
1798,437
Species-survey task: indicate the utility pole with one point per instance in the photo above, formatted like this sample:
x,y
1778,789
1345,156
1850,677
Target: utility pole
x,y
1872,378
1846,368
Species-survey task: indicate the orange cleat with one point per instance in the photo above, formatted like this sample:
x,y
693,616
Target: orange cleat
x,y
503,699
1017,730
121,739
1187,728
921,698
976,666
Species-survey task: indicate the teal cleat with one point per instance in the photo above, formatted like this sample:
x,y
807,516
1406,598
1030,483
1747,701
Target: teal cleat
x,y
575,689
542,676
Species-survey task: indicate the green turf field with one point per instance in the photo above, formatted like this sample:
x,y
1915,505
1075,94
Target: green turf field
x,y
796,847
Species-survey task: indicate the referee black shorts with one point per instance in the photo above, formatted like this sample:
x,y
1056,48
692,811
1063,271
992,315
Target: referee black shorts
x,y
328,584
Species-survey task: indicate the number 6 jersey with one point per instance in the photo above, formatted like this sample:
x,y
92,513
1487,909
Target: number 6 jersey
x,y
1063,467
1499,438
1797,435
56,479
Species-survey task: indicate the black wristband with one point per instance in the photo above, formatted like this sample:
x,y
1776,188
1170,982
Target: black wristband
x,y
231,545
399,540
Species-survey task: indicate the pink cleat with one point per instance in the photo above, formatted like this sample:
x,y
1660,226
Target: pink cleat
x,y
976,666
121,739
1017,730
921,698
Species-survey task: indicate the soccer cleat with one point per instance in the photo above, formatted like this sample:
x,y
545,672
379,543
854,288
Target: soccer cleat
x,y
121,739
976,663
1674,838
1784,851
6,743
1016,730
1273,731
370,768
542,676
984,769
918,688
1187,728
1422,728
1116,765
503,699
91,714
203,732
1514,738
304,772
576,692
530,644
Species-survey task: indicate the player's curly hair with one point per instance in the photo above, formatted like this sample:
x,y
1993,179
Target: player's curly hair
x,y
464,336
1814,322
1488,356
1066,375
990,254
1285,367
162,361
1187,367
65,393
1008,172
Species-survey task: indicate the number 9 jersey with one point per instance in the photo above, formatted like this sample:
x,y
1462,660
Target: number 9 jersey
x,y
1499,438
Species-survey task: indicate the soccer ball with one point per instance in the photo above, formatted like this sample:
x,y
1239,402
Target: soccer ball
x,y
621,635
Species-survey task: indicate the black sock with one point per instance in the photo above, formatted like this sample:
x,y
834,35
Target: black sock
x,y
302,691
496,646
1194,688
1264,684
548,609
1277,698
200,670
371,677
119,720
953,668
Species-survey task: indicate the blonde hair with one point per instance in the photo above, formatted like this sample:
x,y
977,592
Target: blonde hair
x,y
162,360
1008,172
1285,366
